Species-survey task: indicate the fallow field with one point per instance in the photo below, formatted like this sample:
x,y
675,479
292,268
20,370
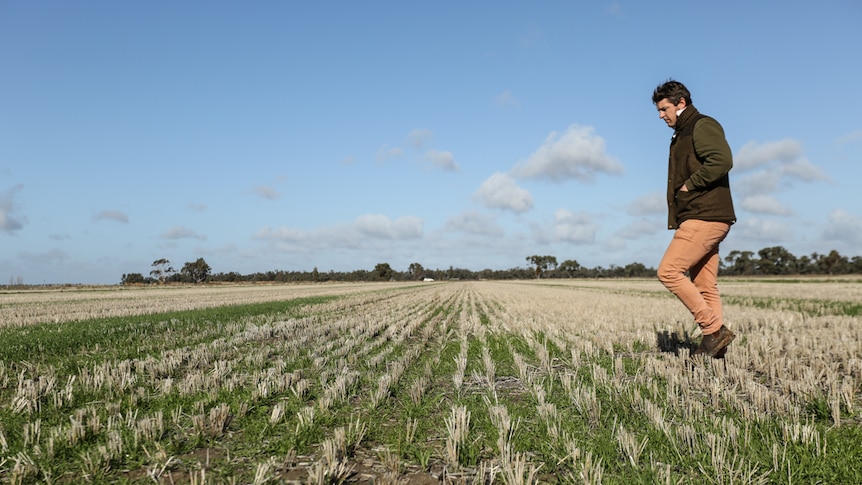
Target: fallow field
x,y
551,381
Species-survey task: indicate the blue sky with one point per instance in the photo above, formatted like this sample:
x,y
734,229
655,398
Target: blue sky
x,y
338,135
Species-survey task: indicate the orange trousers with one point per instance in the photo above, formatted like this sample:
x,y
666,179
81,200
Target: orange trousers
x,y
694,249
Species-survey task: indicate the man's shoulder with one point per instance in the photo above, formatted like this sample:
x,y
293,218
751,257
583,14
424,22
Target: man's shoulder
x,y
706,122
707,131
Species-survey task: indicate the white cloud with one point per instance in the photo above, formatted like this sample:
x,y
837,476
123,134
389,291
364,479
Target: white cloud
x,y
443,160
542,233
577,228
291,240
639,229
761,230
649,204
474,222
362,233
780,163
577,154
180,232
757,183
844,227
284,234
764,204
386,153
382,227
752,154
52,256
500,191
9,220
420,137
850,137
506,99
803,170
266,192
109,215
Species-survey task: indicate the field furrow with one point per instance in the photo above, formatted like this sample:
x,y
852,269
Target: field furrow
x,y
473,382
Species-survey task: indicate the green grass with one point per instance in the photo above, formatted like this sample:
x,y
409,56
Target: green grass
x,y
130,337
808,307
207,340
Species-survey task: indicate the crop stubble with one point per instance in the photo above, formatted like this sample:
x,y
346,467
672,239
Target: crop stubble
x,y
519,381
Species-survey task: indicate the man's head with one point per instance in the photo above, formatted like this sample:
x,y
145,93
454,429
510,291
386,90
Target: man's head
x,y
670,98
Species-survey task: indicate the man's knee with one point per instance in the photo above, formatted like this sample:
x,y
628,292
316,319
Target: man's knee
x,y
667,274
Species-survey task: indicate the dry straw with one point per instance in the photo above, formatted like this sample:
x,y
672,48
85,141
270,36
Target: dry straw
x,y
578,342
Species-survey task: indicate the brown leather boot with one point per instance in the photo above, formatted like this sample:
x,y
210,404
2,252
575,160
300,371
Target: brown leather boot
x,y
715,344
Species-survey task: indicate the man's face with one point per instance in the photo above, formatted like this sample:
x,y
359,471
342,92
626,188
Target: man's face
x,y
667,110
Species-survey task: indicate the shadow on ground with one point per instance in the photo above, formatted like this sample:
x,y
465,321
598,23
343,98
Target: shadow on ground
x,y
673,342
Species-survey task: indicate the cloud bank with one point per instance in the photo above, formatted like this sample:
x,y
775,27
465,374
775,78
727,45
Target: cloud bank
x,y
10,221
576,154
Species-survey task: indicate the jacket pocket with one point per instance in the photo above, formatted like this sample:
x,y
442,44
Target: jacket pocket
x,y
686,203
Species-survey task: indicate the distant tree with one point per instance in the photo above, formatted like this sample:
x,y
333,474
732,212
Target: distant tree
x,y
637,270
197,271
740,262
486,274
834,263
416,271
804,265
768,261
163,270
231,277
542,263
776,261
460,274
132,279
569,267
383,271
359,275
615,271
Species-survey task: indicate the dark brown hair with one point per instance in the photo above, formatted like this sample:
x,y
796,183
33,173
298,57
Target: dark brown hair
x,y
673,91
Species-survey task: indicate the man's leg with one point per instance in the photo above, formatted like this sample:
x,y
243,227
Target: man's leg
x,y
695,247
704,275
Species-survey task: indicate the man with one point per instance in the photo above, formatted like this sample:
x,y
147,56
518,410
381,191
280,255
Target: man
x,y
700,210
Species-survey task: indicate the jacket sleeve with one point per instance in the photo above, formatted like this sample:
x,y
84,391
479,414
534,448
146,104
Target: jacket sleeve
x,y
712,150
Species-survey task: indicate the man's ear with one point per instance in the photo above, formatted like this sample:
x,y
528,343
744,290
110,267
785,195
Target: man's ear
x,y
683,102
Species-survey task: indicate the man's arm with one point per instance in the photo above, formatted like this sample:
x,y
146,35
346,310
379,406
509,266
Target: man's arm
x,y
711,147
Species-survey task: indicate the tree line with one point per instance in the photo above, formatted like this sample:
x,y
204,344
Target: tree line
x,y
777,260
769,261
163,272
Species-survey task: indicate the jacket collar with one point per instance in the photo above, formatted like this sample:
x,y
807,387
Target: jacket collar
x,y
685,117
